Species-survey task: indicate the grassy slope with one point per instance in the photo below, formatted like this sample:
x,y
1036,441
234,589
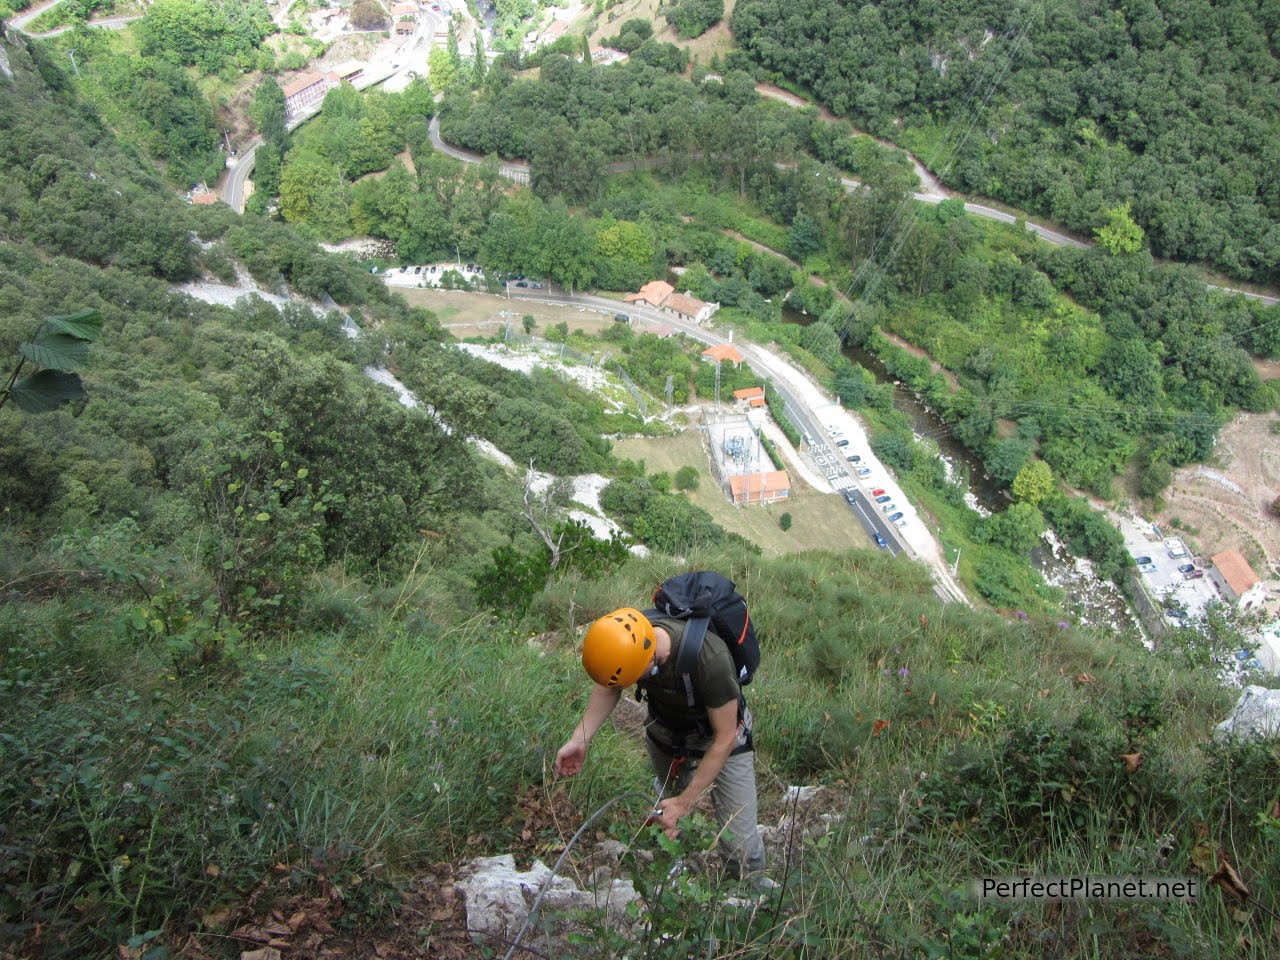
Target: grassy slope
x,y
820,521
389,733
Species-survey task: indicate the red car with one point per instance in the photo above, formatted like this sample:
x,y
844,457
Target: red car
x,y
877,492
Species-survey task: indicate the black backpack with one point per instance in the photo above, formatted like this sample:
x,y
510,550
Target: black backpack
x,y
707,599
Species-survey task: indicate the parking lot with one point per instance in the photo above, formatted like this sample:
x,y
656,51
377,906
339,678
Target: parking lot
x,y
1176,583
839,449
430,274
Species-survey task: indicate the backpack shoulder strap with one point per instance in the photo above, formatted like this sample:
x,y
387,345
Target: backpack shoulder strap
x,y
687,659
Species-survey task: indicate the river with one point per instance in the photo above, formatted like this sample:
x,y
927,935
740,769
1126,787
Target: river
x,y
1087,598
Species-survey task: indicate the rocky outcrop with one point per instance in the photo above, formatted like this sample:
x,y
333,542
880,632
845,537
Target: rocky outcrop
x,y
1255,715
499,898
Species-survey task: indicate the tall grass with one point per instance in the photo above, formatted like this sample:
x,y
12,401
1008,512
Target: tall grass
x,y
400,731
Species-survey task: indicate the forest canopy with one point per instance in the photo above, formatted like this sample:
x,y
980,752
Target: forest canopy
x,y
1063,109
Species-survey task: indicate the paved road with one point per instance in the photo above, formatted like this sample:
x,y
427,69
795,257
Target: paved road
x,y
518,171
805,417
401,66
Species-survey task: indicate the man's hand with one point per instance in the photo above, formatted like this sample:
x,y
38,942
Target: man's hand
x,y
670,811
569,758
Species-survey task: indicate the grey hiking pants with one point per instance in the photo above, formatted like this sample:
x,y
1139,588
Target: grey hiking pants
x,y
733,795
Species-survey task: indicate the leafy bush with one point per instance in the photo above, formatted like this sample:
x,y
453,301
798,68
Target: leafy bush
x,y
693,18
666,522
634,32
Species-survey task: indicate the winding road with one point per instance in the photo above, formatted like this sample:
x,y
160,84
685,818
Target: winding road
x,y
803,400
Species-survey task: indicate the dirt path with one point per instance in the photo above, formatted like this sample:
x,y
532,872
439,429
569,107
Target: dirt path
x,y
930,186
1226,505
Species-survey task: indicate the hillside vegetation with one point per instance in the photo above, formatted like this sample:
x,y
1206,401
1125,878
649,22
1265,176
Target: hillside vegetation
x,y
274,648
1065,109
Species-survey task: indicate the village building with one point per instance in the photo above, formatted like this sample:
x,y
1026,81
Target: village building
x,y
553,31
767,487
607,55
688,307
723,353
652,294
1268,652
1237,581
349,72
752,398
663,296
201,195
309,89
405,16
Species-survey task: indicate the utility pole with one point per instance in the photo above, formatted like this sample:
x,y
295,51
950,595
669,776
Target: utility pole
x,y
956,565
72,55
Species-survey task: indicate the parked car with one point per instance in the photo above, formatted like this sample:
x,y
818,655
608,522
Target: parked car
x,y
900,522
1186,567
521,283
864,471
1193,575
621,317
853,458
895,517
842,443
889,507
417,269
1147,567
536,286
878,492
880,540
883,498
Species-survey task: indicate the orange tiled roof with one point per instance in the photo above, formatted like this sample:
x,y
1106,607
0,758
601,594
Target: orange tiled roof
x,y
684,303
723,352
1235,571
749,392
655,292
300,84
205,198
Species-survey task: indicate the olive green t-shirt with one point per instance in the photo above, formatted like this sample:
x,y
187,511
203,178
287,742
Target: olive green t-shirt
x,y
715,681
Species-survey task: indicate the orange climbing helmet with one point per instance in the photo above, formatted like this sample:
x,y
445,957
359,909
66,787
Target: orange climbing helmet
x,y
618,648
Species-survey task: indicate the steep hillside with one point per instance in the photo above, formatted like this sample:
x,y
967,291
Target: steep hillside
x,y
1065,110
280,656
